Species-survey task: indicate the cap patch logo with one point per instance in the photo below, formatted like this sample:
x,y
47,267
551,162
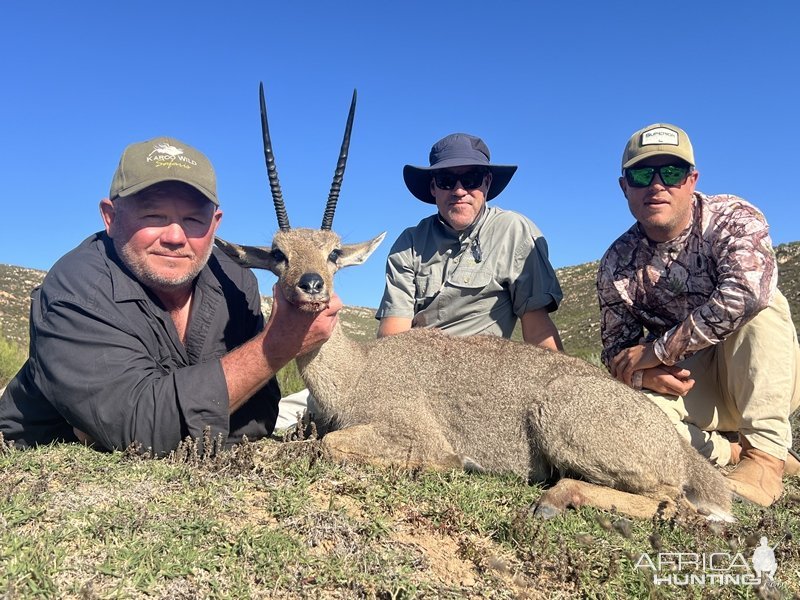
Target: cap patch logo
x,y
660,136
167,155
165,148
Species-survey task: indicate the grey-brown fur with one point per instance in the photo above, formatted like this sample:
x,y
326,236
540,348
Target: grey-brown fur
x,y
424,398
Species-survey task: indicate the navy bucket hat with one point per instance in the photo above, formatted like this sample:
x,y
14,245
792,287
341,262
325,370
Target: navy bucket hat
x,y
456,150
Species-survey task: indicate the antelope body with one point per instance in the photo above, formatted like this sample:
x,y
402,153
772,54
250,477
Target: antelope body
x,y
424,398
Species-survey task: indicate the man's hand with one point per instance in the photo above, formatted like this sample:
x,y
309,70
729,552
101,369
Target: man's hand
x,y
83,438
291,332
630,360
672,381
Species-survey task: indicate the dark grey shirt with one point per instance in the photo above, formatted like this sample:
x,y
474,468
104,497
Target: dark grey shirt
x,y
106,358
476,281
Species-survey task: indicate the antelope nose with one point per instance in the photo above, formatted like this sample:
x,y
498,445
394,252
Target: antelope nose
x,y
311,283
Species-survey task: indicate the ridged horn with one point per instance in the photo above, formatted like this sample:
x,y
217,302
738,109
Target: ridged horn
x,y
272,170
336,186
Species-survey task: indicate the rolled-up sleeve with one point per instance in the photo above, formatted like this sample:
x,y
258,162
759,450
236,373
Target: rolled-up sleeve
x,y
533,283
400,291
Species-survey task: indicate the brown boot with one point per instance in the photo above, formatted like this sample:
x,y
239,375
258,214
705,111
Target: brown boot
x,y
792,467
758,476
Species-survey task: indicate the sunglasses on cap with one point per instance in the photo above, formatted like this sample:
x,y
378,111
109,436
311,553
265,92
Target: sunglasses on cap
x,y
670,175
470,180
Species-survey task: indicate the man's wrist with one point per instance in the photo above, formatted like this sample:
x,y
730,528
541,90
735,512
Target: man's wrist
x,y
637,379
660,350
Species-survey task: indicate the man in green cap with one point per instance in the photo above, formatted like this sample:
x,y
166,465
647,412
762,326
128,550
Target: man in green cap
x,y
691,314
145,333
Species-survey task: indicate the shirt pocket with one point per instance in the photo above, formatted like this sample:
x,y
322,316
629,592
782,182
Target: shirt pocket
x,y
474,278
424,291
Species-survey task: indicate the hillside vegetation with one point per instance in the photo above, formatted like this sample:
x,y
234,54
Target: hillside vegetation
x,y
577,318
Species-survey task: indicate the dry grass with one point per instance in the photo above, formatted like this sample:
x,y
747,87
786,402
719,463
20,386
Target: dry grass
x,y
279,520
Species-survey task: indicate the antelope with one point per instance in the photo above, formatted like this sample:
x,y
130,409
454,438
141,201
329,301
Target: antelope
x,y
424,399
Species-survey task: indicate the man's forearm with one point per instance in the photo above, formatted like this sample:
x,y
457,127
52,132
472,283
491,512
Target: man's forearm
x,y
393,325
538,329
247,369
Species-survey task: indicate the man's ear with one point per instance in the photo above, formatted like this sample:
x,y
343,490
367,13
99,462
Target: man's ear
x,y
216,219
433,188
693,177
623,186
108,213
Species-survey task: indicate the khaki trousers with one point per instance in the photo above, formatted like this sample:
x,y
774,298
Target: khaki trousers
x,y
749,384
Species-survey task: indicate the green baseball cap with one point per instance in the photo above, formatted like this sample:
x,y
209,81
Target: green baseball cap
x,y
659,138
163,159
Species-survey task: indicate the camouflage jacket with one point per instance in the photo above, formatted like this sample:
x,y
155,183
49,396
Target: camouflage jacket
x,y
690,292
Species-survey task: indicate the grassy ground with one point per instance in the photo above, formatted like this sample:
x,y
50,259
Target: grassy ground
x,y
278,520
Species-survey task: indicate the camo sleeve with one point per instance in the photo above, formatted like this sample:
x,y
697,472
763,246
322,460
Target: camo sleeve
x,y
746,279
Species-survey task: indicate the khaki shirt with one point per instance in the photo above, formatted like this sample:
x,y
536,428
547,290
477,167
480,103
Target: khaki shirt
x,y
476,281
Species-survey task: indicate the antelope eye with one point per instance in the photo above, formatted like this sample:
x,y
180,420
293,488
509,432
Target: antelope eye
x,y
278,256
334,256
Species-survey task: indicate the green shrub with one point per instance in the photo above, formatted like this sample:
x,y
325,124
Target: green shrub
x,y
11,359
289,379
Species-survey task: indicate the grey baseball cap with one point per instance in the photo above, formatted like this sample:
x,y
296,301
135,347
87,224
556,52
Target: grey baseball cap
x,y
163,159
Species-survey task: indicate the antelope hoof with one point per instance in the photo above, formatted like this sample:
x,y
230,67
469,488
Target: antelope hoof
x,y
543,510
471,466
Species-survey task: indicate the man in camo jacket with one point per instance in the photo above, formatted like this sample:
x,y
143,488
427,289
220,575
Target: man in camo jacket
x,y
691,314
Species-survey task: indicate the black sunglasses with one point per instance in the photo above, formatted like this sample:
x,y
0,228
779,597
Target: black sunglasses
x,y
470,180
670,175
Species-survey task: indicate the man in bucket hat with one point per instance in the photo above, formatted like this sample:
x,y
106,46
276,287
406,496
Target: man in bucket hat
x,y
145,333
698,273
470,268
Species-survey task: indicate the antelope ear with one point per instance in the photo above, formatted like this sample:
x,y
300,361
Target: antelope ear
x,y
355,254
253,257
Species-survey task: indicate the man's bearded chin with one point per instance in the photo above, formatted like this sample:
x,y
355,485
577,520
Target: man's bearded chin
x,y
157,281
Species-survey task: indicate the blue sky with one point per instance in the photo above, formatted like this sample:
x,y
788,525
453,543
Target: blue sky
x,y
555,88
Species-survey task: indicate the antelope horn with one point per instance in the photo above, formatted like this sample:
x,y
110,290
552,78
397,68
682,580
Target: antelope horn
x,y
336,186
272,171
